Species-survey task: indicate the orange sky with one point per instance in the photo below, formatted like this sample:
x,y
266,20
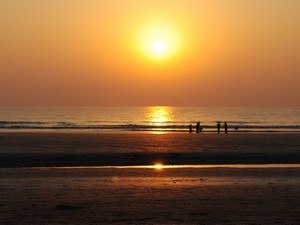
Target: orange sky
x,y
92,53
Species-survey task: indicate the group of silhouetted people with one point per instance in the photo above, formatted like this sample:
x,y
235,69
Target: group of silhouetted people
x,y
219,127
199,128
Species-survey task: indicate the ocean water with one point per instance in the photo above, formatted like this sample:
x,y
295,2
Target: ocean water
x,y
153,119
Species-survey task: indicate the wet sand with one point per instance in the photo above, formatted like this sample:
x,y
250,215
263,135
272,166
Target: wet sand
x,y
99,149
150,196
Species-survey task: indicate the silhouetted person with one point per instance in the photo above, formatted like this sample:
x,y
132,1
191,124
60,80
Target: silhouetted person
x,y
190,128
218,127
225,127
236,128
198,127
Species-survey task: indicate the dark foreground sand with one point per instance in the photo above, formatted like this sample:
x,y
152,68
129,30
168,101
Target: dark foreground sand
x,y
147,196
47,195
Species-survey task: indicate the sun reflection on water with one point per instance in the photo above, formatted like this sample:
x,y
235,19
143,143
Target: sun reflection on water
x,y
159,115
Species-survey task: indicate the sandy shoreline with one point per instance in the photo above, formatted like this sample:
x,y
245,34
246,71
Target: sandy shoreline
x,y
93,149
149,196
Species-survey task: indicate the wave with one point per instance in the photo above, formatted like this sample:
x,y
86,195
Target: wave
x,y
21,122
174,126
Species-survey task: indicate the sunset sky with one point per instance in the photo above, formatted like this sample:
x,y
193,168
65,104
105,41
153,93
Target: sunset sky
x,y
136,53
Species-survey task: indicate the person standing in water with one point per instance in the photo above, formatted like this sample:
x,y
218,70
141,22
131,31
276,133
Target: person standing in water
x,y
226,127
190,128
198,127
218,127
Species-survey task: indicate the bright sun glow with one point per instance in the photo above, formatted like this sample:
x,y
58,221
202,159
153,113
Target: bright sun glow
x,y
158,41
159,47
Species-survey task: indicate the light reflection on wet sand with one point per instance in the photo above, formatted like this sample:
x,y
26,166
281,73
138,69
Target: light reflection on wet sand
x,y
160,166
186,194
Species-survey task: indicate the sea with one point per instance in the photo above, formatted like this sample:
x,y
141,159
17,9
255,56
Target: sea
x,y
148,119
90,136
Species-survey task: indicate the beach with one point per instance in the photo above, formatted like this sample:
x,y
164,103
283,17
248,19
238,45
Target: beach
x,y
149,112
31,149
101,178
150,196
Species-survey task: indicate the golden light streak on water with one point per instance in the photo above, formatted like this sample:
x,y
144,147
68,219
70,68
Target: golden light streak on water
x,y
159,115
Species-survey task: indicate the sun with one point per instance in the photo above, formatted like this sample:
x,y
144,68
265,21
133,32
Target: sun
x,y
158,41
159,47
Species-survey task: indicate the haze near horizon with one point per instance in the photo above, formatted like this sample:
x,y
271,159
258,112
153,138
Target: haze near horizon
x,y
136,53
